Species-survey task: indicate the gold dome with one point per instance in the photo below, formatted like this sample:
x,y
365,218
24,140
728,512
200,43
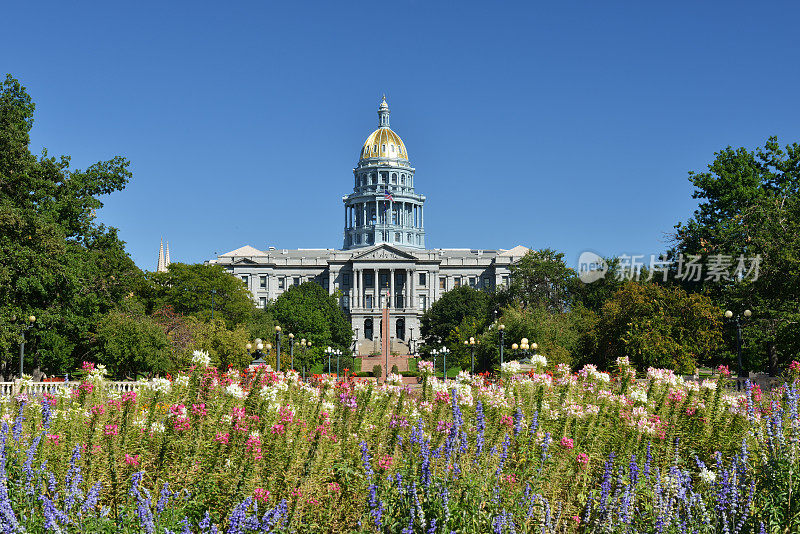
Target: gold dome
x,y
384,143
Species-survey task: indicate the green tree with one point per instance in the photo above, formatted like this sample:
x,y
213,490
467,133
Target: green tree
x,y
541,278
56,262
749,207
658,326
308,311
188,289
130,343
449,312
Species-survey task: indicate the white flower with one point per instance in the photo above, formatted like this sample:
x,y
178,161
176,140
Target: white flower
x,y
182,381
708,384
235,390
425,368
328,407
255,434
394,379
268,393
464,377
161,385
157,427
707,476
510,368
200,357
537,360
638,395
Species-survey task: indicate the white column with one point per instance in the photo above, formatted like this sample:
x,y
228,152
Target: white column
x,y
391,288
411,294
376,301
330,281
354,300
360,288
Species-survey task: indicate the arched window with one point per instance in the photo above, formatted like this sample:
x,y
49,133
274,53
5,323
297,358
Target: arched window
x,y
383,149
368,329
401,328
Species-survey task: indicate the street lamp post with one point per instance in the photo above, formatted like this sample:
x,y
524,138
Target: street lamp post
x,y
434,352
25,328
278,347
738,323
471,344
291,348
445,351
328,351
502,329
338,354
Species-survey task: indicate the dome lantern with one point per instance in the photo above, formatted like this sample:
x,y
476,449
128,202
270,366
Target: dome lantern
x,y
383,113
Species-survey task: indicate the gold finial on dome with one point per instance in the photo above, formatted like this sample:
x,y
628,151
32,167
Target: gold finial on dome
x,y
383,114
384,105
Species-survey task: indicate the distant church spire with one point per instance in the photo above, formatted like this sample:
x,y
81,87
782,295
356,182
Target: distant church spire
x,y
163,262
160,264
383,113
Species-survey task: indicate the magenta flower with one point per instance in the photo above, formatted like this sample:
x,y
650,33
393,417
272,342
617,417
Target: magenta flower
x,y
261,494
132,460
582,458
567,443
111,430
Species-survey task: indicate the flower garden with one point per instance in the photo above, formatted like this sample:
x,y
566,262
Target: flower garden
x,y
545,452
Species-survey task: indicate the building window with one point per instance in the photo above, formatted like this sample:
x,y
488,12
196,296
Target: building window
x,y
263,282
409,239
443,283
346,279
281,283
383,149
473,281
422,279
486,282
505,281
394,178
368,302
397,236
345,301
423,302
368,279
262,302
297,280
245,280
384,280
456,282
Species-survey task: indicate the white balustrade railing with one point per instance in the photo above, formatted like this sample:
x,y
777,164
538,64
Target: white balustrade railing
x,y
13,388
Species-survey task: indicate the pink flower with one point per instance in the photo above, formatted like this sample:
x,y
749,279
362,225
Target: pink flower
x,y
199,410
567,443
386,462
261,494
278,429
510,478
444,427
794,366
111,430
132,460
724,370
54,439
582,458
334,487
181,424
507,420
177,410
222,438
129,396
297,493
98,409
87,366
576,518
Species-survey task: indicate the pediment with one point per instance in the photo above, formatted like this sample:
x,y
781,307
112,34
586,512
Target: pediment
x,y
245,261
384,253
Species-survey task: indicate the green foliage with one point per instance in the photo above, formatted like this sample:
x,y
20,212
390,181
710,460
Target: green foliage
x,y
657,326
129,342
541,278
226,347
448,313
377,371
55,262
188,289
749,206
309,312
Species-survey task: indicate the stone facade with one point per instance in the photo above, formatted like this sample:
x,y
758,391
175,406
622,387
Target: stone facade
x,y
384,261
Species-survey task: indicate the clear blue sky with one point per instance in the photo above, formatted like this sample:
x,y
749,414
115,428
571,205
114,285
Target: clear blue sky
x,y
570,125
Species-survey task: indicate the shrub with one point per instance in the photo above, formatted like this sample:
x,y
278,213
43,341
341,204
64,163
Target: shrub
x,y
395,370
377,371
